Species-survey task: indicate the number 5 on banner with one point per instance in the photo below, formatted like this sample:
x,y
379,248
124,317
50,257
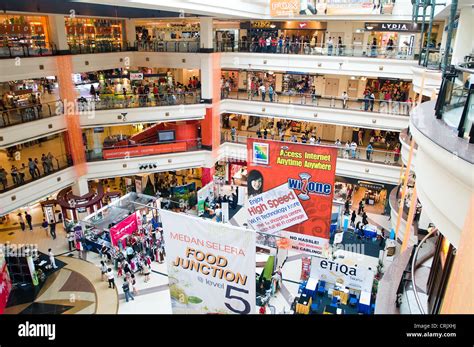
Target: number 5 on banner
x,y
228,295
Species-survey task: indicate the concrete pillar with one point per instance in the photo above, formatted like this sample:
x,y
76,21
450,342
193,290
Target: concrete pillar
x,y
206,34
444,36
81,187
207,86
130,33
463,43
338,132
57,33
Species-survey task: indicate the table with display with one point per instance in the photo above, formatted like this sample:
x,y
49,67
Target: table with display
x,y
328,309
342,293
303,305
364,303
370,231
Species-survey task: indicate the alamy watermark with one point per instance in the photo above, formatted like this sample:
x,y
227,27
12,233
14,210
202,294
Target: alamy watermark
x,y
19,250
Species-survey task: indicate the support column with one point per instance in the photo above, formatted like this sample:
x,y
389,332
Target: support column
x,y
81,187
58,35
206,35
130,32
210,76
68,96
339,131
463,43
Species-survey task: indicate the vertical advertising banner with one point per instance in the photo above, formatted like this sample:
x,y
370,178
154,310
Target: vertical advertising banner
x,y
123,229
290,188
211,266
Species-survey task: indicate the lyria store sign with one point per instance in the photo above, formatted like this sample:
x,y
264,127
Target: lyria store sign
x,y
211,266
396,27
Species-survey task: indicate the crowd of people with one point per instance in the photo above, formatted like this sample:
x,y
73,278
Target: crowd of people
x,y
308,44
32,168
134,255
148,92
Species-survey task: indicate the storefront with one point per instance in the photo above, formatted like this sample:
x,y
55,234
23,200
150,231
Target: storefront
x,y
24,35
443,259
373,194
25,92
149,30
404,35
94,34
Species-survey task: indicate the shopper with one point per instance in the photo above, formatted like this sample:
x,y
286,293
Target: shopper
x,y
146,273
29,220
126,290
330,46
369,150
344,97
71,240
233,133
52,230
353,218
218,213
364,218
52,261
133,283
31,168
353,149
262,90
361,207
110,277
45,226
103,271
270,93
21,220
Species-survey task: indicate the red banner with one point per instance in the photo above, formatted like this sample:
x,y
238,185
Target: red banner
x,y
119,232
5,286
291,189
140,151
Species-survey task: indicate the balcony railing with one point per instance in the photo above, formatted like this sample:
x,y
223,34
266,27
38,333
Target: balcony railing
x,y
362,154
13,178
455,103
354,50
304,99
31,112
140,100
25,50
127,150
168,46
25,114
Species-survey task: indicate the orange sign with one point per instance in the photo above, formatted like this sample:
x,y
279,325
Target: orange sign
x,y
279,8
139,151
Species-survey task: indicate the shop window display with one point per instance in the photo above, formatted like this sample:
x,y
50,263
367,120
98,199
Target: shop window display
x,y
24,35
93,34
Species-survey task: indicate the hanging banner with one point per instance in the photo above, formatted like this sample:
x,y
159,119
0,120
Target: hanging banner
x,y
206,192
354,277
127,227
290,188
5,283
211,266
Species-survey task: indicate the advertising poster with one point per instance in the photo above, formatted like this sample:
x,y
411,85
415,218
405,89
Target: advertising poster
x,y
290,188
123,229
5,284
206,192
352,276
291,8
211,266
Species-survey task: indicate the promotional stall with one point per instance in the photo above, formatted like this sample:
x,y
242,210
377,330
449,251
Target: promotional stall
x,y
112,224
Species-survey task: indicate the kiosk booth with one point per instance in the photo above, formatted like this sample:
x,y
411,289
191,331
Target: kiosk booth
x,y
112,224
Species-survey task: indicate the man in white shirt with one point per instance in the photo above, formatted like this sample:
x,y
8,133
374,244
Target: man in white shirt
x,y
51,259
268,43
312,140
262,91
353,149
345,97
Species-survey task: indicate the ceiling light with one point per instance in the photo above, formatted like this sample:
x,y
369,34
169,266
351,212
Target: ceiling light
x,y
369,27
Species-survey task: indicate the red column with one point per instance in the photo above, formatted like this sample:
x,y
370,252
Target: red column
x,y
206,175
68,96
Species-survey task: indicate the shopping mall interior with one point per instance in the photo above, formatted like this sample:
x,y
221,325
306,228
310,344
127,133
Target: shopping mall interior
x,y
189,158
